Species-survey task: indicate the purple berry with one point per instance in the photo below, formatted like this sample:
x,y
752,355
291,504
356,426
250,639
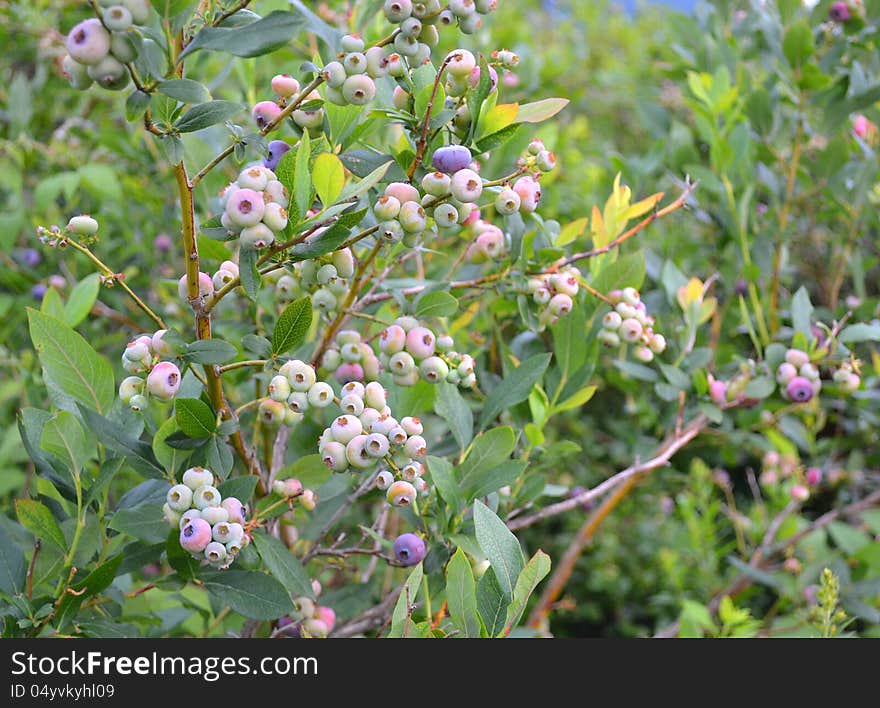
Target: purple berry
x,y
839,12
277,148
409,549
799,390
163,243
38,292
451,159
265,112
30,257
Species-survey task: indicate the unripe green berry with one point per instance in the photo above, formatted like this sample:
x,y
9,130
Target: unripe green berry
x,y
279,389
359,89
117,18
206,496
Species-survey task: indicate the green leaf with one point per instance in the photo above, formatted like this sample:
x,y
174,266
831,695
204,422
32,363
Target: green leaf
x,y
218,456
170,458
860,333
207,114
37,519
184,90
488,451
138,454
802,312
627,271
500,546
292,326
461,595
260,37
493,479
301,192
136,104
13,569
209,351
52,304
570,342
242,488
443,477
247,268
400,619
491,603
540,111
760,388
64,437
144,522
71,361
436,304
249,593
534,572
328,175
497,139
450,405
195,417
515,387
798,45
82,299
283,565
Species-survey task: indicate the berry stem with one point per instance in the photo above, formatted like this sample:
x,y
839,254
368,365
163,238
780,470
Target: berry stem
x,y
423,138
108,273
242,364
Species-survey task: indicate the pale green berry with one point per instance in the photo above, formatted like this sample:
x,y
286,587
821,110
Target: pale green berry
x,y
179,498
196,477
359,89
334,457
271,412
257,237
117,18
460,63
215,515
279,388
352,405
356,453
130,387
298,402
206,496
334,74
434,369
320,395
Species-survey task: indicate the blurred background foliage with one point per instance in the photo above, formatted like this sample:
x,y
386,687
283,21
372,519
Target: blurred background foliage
x,y
655,95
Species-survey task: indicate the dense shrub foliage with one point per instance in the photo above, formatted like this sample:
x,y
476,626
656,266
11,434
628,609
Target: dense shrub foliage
x,y
465,319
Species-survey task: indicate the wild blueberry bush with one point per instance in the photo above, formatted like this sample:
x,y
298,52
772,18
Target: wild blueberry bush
x,y
399,319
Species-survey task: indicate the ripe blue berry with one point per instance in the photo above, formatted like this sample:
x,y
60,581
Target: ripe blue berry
x,y
799,390
409,549
452,159
276,150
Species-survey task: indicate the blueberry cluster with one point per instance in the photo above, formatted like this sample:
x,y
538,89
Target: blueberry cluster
x,y
143,355
629,322
350,358
367,432
400,213
800,380
488,244
326,278
211,528
292,490
350,78
99,49
776,468
226,273
309,115
554,293
292,392
412,352
254,207
309,619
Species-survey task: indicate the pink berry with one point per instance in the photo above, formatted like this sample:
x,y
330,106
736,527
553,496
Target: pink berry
x,y
236,510
420,342
195,536
814,476
799,390
265,112
718,392
327,616
349,372
800,493
163,381
403,192
245,207
285,85
206,286
392,339
529,192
